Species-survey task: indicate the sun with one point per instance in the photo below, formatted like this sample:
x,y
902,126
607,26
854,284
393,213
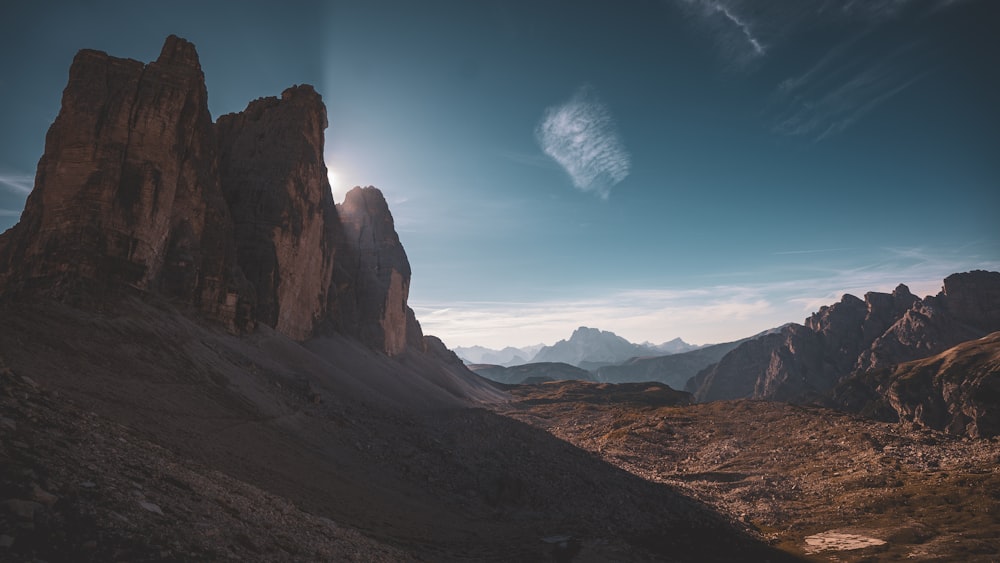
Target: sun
x,y
331,175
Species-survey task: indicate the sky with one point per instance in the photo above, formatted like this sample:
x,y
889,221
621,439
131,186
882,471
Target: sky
x,y
703,169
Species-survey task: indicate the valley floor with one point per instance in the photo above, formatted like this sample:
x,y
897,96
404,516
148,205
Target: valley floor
x,y
814,482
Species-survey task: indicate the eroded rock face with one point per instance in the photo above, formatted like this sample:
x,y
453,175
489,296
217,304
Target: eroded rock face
x,y
968,307
139,190
844,346
127,192
957,390
285,222
372,281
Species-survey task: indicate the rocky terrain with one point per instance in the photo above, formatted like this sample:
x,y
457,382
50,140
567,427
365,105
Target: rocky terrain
x,y
854,338
263,429
203,358
818,483
957,390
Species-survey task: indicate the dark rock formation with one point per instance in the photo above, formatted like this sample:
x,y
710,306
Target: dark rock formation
x,y
139,190
957,390
372,281
968,307
804,363
285,222
127,193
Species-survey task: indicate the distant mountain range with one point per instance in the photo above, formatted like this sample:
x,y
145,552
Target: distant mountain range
x,y
587,348
675,369
531,373
590,348
509,356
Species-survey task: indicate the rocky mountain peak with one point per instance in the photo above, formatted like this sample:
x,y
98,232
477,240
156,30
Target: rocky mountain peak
x,y
128,192
974,298
584,334
858,340
275,184
374,304
177,51
901,291
139,190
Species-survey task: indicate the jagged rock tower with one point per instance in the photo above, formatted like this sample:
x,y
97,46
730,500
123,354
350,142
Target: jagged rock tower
x,y
139,189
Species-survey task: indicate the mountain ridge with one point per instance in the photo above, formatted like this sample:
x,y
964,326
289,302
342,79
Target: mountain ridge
x,y
854,337
590,348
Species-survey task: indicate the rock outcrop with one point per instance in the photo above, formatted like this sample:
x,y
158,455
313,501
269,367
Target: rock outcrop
x,y
372,282
128,193
957,391
285,222
968,307
852,338
139,190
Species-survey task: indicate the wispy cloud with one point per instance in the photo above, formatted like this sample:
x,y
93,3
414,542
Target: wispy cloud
x,y
747,30
810,251
712,313
847,82
840,89
16,183
582,137
734,32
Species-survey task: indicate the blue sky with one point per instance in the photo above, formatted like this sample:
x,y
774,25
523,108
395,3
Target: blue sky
x,y
695,168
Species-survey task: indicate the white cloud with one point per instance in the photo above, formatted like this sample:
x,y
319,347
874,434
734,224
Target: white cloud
x,y
582,137
734,33
739,27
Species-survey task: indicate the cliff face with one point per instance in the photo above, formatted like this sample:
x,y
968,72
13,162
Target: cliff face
x,y
957,390
275,183
128,192
372,282
968,307
855,336
139,190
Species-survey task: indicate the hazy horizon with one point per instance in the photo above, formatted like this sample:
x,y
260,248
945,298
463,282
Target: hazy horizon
x,y
702,169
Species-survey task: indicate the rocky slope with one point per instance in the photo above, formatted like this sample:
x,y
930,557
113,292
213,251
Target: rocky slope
x,y
203,358
816,482
854,336
234,438
957,390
